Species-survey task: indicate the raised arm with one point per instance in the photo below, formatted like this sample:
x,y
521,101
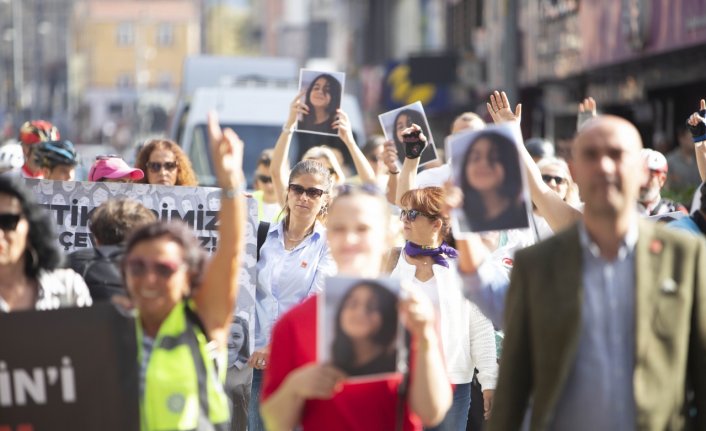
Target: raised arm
x,y
558,213
345,132
389,155
587,110
408,175
430,393
697,126
217,294
279,167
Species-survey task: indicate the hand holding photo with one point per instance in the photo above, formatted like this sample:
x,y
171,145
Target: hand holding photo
x,y
358,326
323,92
394,125
486,167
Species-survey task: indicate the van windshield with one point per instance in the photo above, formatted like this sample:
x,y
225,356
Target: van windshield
x,y
256,138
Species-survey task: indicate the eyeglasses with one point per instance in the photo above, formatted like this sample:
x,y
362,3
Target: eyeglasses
x,y
264,179
138,267
411,215
157,167
311,192
108,157
558,180
8,222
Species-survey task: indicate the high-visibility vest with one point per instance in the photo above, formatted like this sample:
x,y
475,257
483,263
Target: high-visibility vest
x,y
259,197
182,389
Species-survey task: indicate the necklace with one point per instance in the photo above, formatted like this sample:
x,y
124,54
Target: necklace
x,y
295,242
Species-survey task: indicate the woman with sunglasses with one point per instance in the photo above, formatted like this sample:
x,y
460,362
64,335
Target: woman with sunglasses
x,y
184,305
268,208
556,175
29,258
294,260
165,163
467,336
342,126
299,391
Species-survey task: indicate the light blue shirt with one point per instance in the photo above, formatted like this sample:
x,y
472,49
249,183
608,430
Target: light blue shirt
x,y
598,394
286,277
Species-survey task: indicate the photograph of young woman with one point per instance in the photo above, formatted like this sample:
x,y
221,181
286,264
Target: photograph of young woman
x,y
321,100
490,176
395,122
365,330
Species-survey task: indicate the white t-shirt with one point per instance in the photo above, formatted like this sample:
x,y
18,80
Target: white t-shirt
x,y
434,177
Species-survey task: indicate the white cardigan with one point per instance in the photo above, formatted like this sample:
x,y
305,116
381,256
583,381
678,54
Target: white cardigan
x,y
467,336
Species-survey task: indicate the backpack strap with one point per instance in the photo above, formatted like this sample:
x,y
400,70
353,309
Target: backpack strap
x,y
262,230
392,258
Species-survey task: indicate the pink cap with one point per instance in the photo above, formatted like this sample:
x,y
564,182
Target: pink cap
x,y
112,168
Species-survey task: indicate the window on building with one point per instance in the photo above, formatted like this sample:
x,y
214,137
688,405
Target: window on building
x,y
165,34
126,33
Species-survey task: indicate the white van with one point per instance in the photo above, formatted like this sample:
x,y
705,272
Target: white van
x,y
256,109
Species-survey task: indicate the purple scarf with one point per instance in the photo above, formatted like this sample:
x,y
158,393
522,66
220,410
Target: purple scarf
x,y
412,249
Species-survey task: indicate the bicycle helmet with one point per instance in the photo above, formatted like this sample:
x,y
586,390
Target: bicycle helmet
x,y
33,132
50,154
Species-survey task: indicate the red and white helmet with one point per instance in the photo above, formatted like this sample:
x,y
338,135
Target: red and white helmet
x,y
36,131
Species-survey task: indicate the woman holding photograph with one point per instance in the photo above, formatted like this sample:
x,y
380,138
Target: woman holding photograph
x,y
467,336
323,98
366,329
315,396
492,184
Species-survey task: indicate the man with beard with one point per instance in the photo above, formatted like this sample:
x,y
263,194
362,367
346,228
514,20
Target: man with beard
x,y
651,202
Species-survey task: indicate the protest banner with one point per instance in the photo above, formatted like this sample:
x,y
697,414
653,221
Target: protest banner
x,y
70,204
69,369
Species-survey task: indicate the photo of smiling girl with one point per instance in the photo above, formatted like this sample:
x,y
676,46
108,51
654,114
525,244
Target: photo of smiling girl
x,y
486,166
323,92
359,330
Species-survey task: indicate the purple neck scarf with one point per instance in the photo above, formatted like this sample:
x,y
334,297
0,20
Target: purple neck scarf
x,y
412,249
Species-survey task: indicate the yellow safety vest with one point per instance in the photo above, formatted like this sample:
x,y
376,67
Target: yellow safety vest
x,y
182,389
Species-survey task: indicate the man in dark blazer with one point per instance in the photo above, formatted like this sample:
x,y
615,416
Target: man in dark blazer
x,y
606,321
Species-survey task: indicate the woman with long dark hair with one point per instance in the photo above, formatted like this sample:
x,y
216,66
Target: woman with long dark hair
x,y
29,258
366,326
403,120
323,99
164,162
491,182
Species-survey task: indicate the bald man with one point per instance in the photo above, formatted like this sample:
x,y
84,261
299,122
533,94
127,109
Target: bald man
x,y
605,326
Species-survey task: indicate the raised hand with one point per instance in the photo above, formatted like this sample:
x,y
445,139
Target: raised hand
x,y
316,381
390,157
500,110
343,125
227,151
414,141
587,110
697,122
296,108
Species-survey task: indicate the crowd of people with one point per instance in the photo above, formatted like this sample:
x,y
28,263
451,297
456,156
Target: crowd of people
x,y
591,317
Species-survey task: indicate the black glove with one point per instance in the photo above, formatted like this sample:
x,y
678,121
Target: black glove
x,y
413,144
698,132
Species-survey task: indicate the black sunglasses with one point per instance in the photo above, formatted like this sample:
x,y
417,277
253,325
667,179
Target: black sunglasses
x,y
264,179
8,222
138,267
311,192
412,215
156,166
548,178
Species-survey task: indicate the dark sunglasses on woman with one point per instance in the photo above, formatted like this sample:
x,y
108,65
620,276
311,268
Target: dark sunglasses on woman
x,y
548,179
8,222
412,215
311,192
264,179
156,166
140,267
